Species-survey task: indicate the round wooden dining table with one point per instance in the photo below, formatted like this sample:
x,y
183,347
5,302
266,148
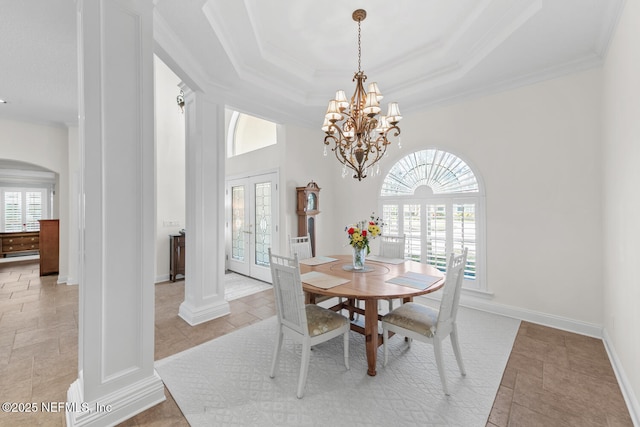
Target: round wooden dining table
x,y
370,286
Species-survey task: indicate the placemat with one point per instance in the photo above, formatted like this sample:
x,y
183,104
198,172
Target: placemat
x,y
415,280
385,260
321,280
317,260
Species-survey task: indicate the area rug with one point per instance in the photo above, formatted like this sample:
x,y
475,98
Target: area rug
x,y
225,382
238,286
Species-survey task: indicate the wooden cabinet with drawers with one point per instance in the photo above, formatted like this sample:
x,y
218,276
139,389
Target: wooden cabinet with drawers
x,y
19,241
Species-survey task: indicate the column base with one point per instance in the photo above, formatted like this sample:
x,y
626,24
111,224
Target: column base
x,y
114,407
196,315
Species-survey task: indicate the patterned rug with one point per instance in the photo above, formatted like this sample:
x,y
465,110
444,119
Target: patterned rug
x,y
225,382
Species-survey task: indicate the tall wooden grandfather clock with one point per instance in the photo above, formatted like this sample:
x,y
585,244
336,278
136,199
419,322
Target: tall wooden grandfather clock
x,y
307,209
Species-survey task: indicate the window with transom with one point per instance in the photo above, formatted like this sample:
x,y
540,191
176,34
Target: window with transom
x,y
434,198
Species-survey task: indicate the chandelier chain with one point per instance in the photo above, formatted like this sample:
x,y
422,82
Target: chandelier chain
x,y
359,48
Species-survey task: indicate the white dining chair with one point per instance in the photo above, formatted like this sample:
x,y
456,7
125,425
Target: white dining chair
x,y
300,246
392,247
426,324
307,324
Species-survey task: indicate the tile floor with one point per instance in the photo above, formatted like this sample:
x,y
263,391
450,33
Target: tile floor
x,y
553,378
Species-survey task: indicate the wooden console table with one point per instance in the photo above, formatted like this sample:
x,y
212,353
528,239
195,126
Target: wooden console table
x,y
19,241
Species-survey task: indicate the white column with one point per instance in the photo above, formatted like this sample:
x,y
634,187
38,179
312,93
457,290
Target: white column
x,y
204,202
74,204
116,378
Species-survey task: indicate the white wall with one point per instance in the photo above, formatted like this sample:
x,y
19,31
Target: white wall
x,y
45,146
305,163
537,151
170,164
298,157
621,204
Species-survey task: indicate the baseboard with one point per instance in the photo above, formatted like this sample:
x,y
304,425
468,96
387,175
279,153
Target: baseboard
x,y
113,408
162,278
546,319
630,397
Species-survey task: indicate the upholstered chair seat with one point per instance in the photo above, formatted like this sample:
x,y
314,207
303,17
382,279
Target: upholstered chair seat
x,y
320,320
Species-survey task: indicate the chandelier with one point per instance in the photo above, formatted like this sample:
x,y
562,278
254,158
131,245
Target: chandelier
x,y
358,133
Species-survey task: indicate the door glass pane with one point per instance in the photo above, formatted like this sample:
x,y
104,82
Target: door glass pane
x,y
237,223
263,222
436,238
13,211
411,221
464,235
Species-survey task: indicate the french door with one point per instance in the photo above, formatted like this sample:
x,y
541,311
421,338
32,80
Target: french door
x,y
252,224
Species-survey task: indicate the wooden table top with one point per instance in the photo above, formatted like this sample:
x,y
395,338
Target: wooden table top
x,y
371,284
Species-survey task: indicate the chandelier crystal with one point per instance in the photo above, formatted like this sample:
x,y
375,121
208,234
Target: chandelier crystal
x,y
355,128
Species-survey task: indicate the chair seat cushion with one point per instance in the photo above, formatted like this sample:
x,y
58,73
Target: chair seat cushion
x,y
415,317
321,320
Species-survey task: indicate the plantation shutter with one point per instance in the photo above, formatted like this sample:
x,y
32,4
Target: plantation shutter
x,y
436,237
34,210
464,234
12,211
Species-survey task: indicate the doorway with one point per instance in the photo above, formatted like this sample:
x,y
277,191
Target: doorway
x,y
252,224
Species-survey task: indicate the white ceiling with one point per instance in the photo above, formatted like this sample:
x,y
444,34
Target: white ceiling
x,y
284,59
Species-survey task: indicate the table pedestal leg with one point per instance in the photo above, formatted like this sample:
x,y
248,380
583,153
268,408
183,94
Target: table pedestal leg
x,y
371,333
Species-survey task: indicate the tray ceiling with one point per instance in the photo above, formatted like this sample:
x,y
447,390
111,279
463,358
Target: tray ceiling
x,y
284,59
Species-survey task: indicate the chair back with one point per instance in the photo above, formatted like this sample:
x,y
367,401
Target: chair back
x,y
451,292
289,297
392,246
300,246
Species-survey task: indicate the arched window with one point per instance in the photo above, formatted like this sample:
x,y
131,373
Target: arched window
x,y
248,133
434,198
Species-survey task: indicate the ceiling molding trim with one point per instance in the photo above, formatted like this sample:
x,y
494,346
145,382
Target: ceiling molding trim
x,y
442,46
612,17
459,66
568,68
274,54
216,18
487,44
173,52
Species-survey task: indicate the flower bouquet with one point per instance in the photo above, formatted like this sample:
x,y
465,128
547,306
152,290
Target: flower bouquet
x,y
360,234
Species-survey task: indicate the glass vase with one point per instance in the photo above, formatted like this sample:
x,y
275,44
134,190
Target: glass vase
x,y
359,255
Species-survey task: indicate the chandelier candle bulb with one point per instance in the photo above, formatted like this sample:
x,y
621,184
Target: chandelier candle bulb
x,y
359,137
